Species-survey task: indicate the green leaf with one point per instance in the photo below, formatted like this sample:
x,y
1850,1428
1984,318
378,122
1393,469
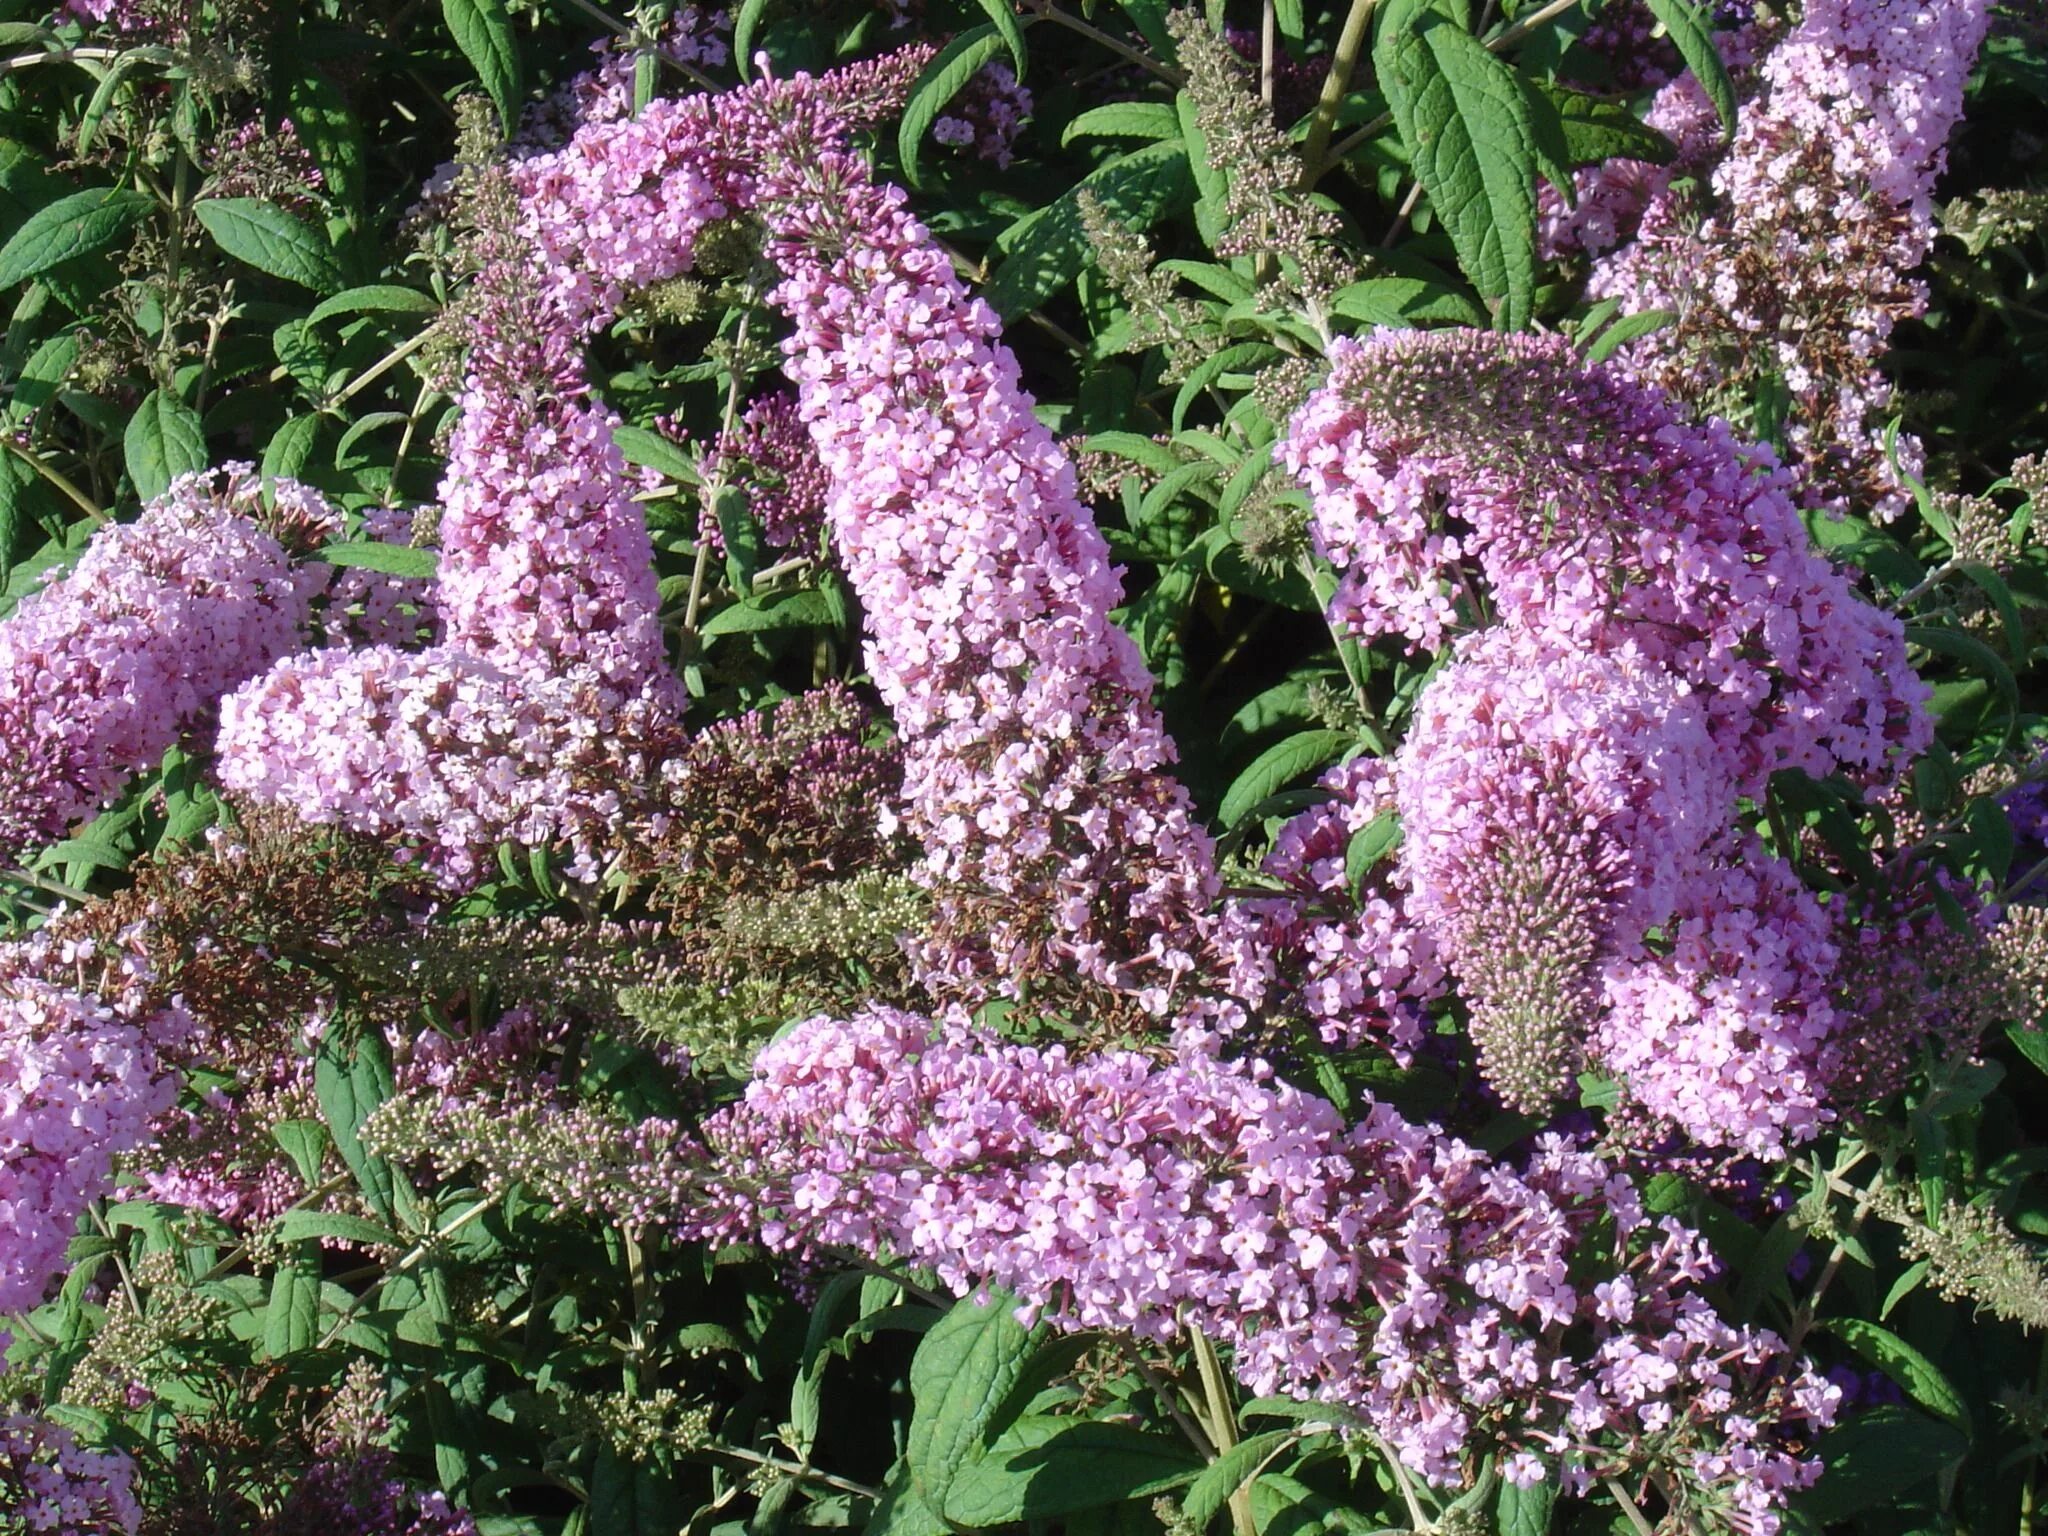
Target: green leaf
x,y
788,610
900,1512
1280,765
483,31
77,225
384,298
1994,587
1124,120
1875,1458
741,531
1903,1287
361,428
1465,121
1625,330
650,450
163,440
1142,451
1149,17
806,1397
1241,355
1369,845
1005,21
631,1498
291,1322
1921,1378
289,448
270,240
1289,702
1283,1506
960,1378
298,1226
1975,654
2032,1041
321,118
1229,1472
389,559
1525,1511
1692,31
1597,128
43,375
1044,1467
744,26
1400,302
110,85
351,1081
190,805
1046,250
943,79
305,1142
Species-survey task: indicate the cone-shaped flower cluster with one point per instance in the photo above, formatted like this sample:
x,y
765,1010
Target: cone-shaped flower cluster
x,y
1384,1266
51,1484
80,1081
1799,267
105,668
1648,638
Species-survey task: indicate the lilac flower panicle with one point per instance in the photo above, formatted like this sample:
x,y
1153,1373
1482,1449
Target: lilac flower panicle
x,y
80,1082
50,1485
1638,636
112,663
1801,264
1381,1266
1036,766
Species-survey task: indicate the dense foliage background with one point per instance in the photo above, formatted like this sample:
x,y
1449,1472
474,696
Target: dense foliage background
x,y
401,1240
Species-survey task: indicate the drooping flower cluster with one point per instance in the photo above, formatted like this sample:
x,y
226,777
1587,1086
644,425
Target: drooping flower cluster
x,y
1796,272
79,1085
987,116
1036,768
1035,764
549,700
1350,960
52,1486
1383,1267
770,454
1648,638
112,663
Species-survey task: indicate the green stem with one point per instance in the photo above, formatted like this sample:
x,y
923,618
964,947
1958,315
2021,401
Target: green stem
x,y
1223,1426
35,461
1629,1507
1049,12
1343,64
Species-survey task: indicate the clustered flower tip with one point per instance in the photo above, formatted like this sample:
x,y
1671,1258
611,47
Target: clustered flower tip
x,y
82,1078
1638,636
50,1485
1795,262
113,662
1382,1266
